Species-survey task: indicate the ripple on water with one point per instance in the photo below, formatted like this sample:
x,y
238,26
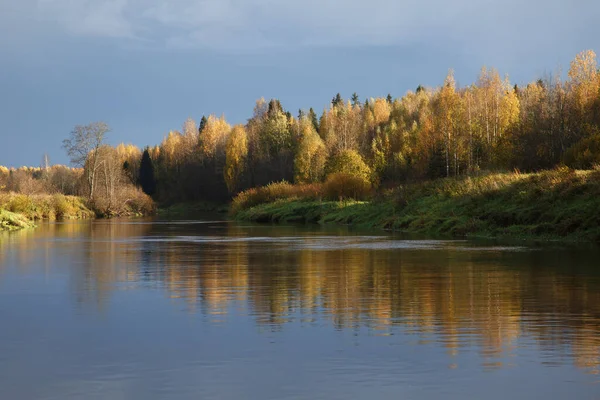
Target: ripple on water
x,y
329,242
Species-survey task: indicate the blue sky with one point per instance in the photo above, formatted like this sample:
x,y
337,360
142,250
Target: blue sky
x,y
144,66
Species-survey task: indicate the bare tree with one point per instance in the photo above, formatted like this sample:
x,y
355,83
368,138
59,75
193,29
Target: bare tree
x,y
82,147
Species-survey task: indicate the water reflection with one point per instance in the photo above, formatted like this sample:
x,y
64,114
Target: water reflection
x,y
495,300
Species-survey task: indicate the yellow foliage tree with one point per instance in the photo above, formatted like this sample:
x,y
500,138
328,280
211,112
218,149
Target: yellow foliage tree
x,y
584,80
214,137
309,162
349,162
236,153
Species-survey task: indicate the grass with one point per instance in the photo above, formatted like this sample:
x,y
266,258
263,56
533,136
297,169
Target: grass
x,y
45,206
10,221
557,204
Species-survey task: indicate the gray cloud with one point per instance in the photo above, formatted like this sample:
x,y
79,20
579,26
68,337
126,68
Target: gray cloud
x,y
231,24
487,28
89,17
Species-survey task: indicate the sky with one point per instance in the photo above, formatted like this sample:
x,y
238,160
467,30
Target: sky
x,y
144,66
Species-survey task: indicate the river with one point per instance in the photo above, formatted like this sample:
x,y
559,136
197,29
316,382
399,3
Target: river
x,y
148,309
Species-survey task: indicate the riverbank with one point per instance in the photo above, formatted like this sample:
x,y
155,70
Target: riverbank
x,y
11,222
559,204
20,210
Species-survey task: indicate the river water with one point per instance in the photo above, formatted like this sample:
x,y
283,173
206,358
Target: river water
x,y
141,309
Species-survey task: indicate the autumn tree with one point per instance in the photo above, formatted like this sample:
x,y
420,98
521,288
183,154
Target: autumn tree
x,y
311,156
82,147
584,96
110,178
447,114
349,162
271,143
236,157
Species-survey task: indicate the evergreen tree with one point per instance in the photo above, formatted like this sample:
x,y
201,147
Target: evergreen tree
x,y
355,100
337,100
389,98
147,179
274,107
420,89
203,122
312,115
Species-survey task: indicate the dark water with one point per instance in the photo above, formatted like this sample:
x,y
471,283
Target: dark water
x,y
190,310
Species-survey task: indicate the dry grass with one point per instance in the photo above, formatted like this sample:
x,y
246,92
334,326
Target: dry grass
x,y
273,192
45,206
10,221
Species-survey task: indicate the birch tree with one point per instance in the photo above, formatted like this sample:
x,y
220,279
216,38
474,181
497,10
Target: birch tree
x,y
82,147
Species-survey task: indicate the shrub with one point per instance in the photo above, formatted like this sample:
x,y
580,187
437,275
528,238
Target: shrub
x,y
585,153
342,185
138,203
349,162
41,206
62,207
127,200
18,203
273,192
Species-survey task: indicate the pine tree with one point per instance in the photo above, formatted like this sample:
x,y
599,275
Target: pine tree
x,y
337,100
312,115
203,122
355,100
389,98
274,107
147,179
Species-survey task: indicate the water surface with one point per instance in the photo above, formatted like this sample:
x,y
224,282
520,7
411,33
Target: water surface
x,y
141,309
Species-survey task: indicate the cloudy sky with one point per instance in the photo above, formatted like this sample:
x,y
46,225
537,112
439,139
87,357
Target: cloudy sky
x,y
144,66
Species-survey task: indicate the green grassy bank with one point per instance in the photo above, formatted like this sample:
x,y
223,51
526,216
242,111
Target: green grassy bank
x,y
558,204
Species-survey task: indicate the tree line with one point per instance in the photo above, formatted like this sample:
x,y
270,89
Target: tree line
x,y
428,133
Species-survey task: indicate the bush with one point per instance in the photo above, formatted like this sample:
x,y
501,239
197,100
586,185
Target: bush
x,y
62,207
127,200
273,192
584,154
349,162
138,203
19,203
341,186
45,206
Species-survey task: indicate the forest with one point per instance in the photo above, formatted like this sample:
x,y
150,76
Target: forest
x,y
351,149
490,125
